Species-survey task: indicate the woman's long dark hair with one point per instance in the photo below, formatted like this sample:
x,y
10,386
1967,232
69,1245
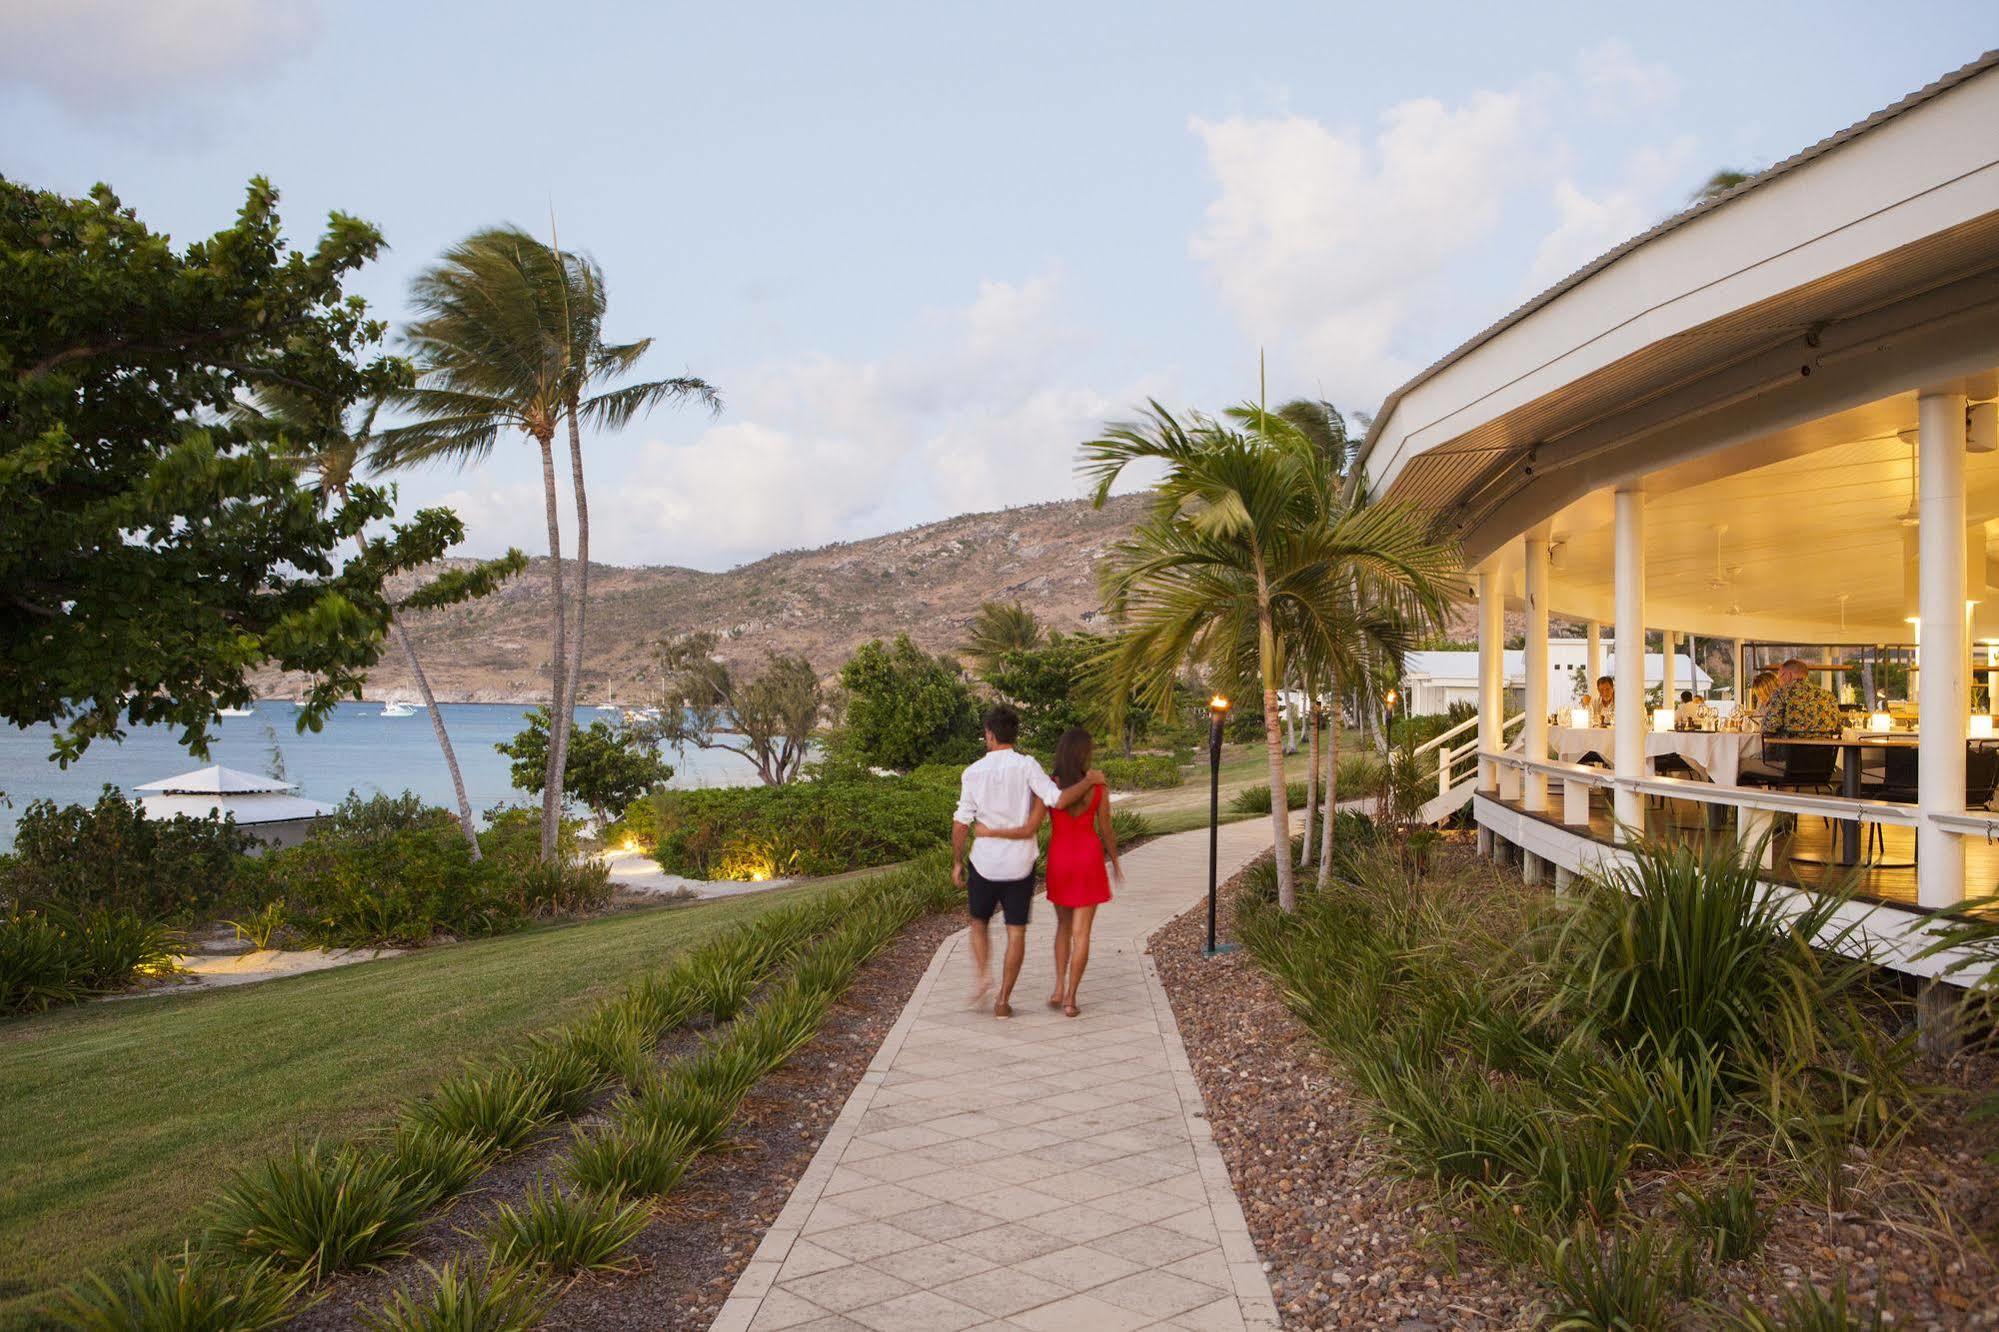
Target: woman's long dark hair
x,y
1072,756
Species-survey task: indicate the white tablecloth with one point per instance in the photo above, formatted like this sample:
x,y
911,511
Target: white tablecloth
x,y
1717,755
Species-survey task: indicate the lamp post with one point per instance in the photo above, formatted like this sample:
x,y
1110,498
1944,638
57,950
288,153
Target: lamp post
x,y
1218,711
1387,754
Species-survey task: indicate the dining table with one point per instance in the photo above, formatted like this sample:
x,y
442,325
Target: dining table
x,y
1715,755
1850,742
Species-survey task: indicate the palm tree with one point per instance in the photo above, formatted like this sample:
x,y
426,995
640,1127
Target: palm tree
x,y
1001,627
509,336
491,345
336,458
1242,562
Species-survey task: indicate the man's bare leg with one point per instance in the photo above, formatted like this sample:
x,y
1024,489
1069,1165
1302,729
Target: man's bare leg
x,y
981,942
1062,920
1016,950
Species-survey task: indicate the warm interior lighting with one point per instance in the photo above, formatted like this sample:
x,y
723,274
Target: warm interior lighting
x,y
1662,719
1218,704
1880,721
1980,726
1579,718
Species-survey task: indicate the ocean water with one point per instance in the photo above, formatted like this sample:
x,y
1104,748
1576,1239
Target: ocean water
x,y
358,749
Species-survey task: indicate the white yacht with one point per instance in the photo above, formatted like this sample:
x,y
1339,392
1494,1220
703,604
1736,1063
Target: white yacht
x,y
395,707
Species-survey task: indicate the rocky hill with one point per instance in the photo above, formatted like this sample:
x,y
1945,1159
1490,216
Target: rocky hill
x,y
927,581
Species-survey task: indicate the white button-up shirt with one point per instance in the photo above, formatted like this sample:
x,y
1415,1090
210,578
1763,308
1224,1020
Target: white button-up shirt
x,y
998,791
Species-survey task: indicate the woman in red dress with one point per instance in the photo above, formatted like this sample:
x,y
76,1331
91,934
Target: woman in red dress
x,y
1077,881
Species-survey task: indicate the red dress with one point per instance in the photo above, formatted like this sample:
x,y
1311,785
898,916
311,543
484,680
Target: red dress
x,y
1076,874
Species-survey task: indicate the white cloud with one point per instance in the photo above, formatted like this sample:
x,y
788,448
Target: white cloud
x,y
981,413
101,58
1317,236
1589,224
1617,81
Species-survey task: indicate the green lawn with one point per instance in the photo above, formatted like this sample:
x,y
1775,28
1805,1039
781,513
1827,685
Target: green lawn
x,y
121,1118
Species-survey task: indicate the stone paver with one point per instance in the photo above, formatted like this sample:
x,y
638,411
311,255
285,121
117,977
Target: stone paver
x,y
1043,1172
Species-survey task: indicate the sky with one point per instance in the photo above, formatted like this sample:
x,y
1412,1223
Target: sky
x,y
924,250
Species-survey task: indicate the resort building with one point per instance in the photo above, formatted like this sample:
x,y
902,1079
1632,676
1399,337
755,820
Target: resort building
x,y
1769,420
264,807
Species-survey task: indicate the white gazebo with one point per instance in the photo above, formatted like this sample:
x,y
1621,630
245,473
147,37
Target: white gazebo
x,y
1769,420
263,806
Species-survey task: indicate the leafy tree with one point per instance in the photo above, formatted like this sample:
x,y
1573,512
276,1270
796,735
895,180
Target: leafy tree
x,y
906,707
1720,183
159,553
767,718
1000,627
1060,684
608,766
1243,563
509,337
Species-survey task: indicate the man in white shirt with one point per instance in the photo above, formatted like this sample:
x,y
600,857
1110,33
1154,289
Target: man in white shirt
x,y
1000,790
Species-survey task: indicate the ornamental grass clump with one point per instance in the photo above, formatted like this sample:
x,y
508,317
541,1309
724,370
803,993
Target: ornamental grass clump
x,y
435,1163
194,1291
504,1108
631,1158
463,1298
564,1233
318,1210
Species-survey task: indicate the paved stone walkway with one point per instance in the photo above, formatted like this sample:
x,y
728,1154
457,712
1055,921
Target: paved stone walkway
x,y
1041,1173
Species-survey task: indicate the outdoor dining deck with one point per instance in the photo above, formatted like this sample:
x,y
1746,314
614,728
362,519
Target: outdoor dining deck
x,y
1803,856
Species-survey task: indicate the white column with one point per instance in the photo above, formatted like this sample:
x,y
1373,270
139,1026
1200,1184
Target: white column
x,y
1491,673
1629,745
1740,688
1593,638
1942,685
1534,731
1669,642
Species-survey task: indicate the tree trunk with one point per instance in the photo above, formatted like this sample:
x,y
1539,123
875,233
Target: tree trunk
x,y
567,720
465,819
1308,849
1273,743
558,665
1332,790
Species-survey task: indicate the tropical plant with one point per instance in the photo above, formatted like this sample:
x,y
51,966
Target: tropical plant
x,y
109,854
767,718
607,767
170,553
1000,627
461,1298
194,1291
335,455
906,707
509,336
318,1210
561,1233
1247,561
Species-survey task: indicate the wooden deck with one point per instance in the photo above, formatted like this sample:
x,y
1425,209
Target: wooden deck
x,y
1681,820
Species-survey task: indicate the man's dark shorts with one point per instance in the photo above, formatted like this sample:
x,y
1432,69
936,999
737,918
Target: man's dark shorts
x,y
1011,897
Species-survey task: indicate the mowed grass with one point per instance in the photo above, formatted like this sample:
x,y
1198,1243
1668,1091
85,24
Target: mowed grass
x,y
121,1119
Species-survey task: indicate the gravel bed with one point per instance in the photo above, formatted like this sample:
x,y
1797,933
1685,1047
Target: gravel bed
x,y
1347,1245
687,1260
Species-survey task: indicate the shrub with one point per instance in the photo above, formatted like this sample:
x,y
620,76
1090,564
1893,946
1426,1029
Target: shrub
x,y
906,707
512,836
194,1292
436,1163
387,871
490,1298
111,856
1131,827
1807,1310
545,888
561,1233
820,827
1142,772
1724,1217
318,1211
60,956
1627,1281
1256,799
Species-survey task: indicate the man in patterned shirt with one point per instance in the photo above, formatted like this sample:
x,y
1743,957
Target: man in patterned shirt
x,y
1796,707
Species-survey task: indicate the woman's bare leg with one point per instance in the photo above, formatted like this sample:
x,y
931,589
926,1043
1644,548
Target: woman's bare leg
x,y
1079,953
1063,917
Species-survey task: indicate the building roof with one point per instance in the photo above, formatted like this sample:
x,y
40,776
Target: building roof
x,y
217,780
1964,74
248,808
